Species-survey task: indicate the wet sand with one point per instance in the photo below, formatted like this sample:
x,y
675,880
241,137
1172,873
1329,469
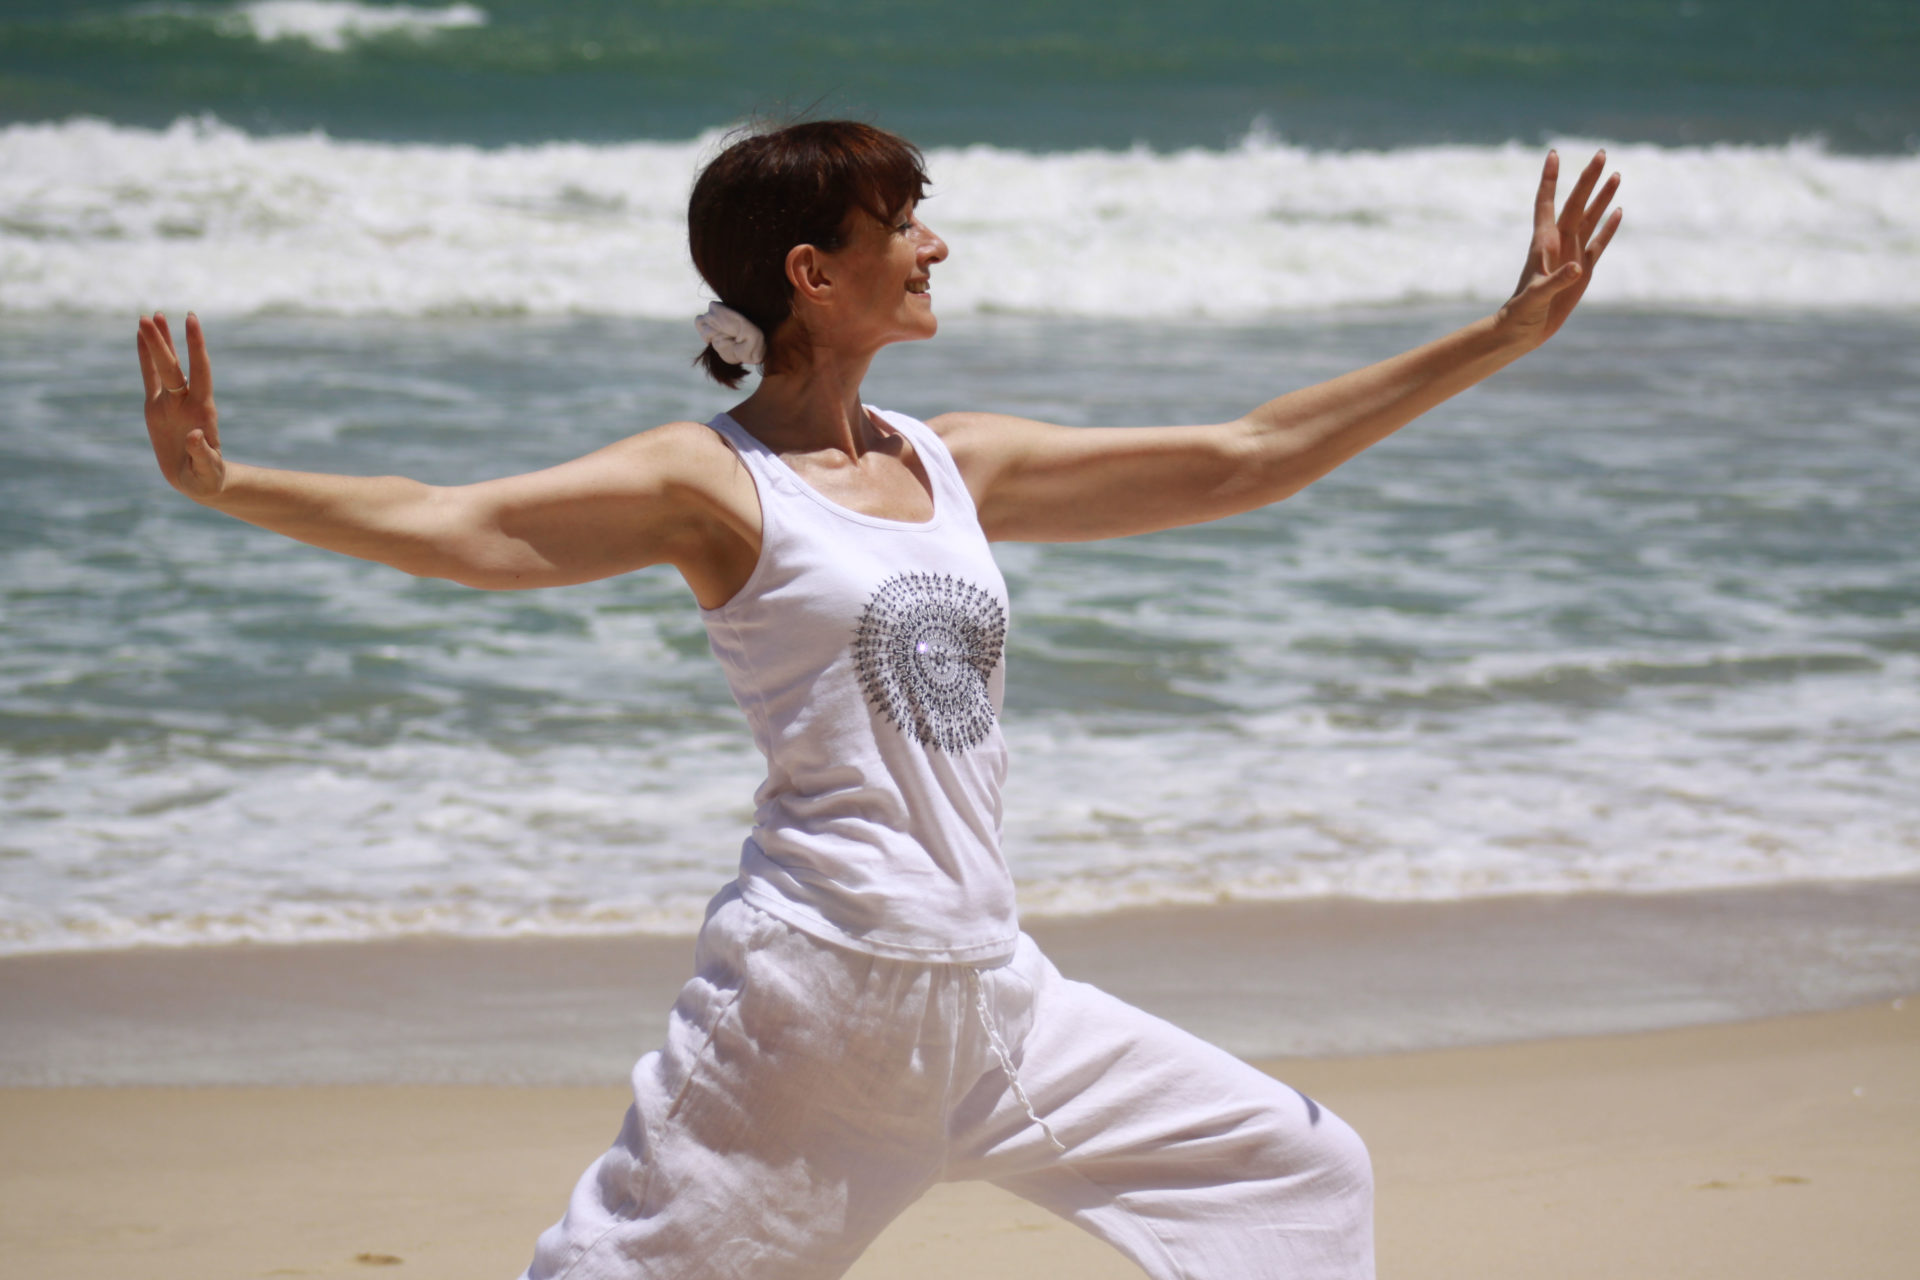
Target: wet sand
x,y
1265,980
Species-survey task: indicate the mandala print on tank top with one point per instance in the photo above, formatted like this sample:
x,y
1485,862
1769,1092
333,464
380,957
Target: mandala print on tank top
x,y
924,648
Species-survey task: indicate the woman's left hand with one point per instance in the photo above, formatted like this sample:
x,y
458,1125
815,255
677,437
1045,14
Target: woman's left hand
x,y
1565,249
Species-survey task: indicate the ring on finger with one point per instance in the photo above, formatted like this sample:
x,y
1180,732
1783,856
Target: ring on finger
x,y
179,390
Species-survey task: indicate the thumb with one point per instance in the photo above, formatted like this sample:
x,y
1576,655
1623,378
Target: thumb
x,y
200,451
1559,278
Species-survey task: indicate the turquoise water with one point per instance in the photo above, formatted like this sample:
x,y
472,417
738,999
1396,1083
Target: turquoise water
x,y
1020,73
1641,615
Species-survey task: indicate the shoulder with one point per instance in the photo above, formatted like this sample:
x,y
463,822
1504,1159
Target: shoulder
x,y
962,425
674,454
935,435
971,427
686,440
673,472
704,505
986,442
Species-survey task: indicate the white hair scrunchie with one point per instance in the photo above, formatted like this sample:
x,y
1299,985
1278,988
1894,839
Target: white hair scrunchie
x,y
735,338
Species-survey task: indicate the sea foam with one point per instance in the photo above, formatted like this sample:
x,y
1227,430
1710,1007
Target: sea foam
x,y
96,217
334,24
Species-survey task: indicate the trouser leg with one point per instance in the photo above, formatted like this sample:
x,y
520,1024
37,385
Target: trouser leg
x,y
1194,1164
797,1107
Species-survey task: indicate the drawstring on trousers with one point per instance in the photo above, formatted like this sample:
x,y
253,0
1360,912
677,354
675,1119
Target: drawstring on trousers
x,y
999,1047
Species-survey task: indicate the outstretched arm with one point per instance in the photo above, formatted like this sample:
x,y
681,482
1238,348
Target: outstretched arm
x,y
1043,483
646,500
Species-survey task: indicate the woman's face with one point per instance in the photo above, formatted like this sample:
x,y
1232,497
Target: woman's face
x,y
881,278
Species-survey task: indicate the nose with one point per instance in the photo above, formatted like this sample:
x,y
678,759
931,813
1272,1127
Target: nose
x,y
932,248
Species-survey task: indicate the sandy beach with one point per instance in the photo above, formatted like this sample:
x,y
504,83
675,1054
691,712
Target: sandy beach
x,y
1785,1147
317,1110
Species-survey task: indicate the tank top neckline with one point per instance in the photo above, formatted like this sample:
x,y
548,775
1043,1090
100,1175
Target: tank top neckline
x,y
879,417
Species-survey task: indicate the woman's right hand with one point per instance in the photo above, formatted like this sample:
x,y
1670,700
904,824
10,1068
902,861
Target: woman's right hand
x,y
181,420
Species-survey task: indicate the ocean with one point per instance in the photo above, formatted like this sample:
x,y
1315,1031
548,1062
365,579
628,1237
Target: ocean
x,y
1038,75
1639,616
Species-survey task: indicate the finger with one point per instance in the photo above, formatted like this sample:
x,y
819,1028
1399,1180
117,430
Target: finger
x,y
1601,241
1541,253
149,376
1564,276
1577,198
1598,208
165,360
157,352
1543,198
197,353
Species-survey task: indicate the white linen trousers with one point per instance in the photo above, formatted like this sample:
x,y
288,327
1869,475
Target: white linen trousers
x,y
807,1094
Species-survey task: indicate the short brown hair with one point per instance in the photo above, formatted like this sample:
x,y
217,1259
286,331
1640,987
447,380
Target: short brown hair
x,y
771,191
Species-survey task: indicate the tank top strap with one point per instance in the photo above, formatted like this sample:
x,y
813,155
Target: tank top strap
x,y
949,485
784,497
754,454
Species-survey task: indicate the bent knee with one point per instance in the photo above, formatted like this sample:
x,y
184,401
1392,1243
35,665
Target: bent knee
x,y
1309,1147
1344,1155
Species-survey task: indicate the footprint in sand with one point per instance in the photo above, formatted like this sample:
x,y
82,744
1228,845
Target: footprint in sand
x,y
1743,1184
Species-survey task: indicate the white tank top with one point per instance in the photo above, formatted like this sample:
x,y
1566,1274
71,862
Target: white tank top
x,y
866,654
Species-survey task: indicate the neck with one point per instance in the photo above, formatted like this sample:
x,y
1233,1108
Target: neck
x,y
817,407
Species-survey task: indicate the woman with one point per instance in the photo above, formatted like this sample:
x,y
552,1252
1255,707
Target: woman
x,y
866,1018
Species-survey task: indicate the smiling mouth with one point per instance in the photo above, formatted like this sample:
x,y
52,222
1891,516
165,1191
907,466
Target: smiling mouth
x,y
920,286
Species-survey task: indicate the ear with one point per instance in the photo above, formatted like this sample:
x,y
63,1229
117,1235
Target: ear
x,y
807,273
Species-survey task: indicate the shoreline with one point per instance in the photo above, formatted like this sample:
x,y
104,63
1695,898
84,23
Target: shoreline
x,y
1265,980
1773,1149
